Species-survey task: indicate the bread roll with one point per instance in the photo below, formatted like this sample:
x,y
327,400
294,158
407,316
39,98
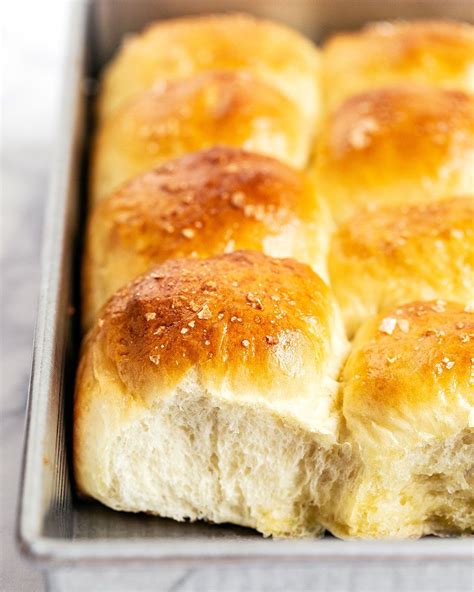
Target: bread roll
x,y
396,145
208,109
182,47
408,403
207,390
213,201
439,53
394,254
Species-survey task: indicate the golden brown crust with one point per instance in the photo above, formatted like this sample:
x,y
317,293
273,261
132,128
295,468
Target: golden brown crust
x,y
434,52
178,48
412,365
393,254
229,108
208,201
397,145
408,401
202,204
386,230
243,320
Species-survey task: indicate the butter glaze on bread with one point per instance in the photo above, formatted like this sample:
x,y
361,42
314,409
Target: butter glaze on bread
x,y
438,53
215,384
202,204
207,389
393,254
396,145
179,48
408,402
214,108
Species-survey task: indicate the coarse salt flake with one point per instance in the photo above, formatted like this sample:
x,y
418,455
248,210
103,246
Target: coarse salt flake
x,y
404,325
188,232
205,313
388,325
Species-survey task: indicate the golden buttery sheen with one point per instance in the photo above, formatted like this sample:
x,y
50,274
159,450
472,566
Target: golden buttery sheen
x,y
207,389
396,145
228,108
438,53
213,201
179,48
389,255
408,403
216,381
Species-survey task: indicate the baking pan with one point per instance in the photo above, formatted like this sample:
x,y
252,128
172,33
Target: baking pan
x,y
85,546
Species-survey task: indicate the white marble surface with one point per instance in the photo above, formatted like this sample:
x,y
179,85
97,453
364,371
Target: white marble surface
x,y
32,36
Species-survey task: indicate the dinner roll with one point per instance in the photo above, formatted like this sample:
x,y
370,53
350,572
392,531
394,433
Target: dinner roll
x,y
394,254
213,201
207,390
397,145
179,48
230,108
408,402
439,53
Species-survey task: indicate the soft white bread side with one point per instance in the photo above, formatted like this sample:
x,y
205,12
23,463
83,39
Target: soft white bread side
x,y
214,108
209,202
389,255
408,403
439,53
398,145
207,390
179,48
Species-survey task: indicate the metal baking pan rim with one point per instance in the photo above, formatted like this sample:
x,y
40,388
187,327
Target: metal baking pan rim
x,y
99,551
50,551
52,254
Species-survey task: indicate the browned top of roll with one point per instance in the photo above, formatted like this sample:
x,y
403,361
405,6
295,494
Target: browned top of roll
x,y
178,48
243,319
397,235
405,117
397,145
394,254
411,372
178,117
436,52
208,201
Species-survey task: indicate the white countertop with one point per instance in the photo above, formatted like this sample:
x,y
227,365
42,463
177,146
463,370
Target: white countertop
x,y
33,41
